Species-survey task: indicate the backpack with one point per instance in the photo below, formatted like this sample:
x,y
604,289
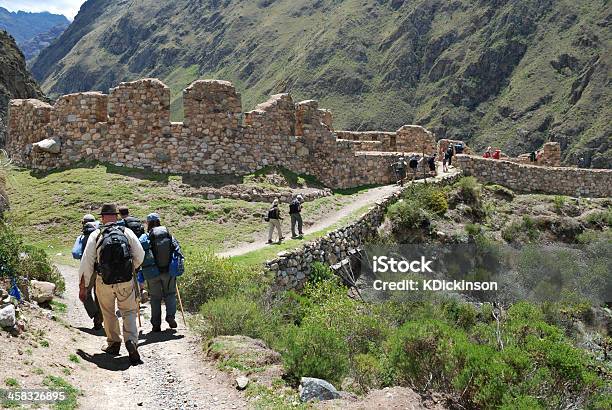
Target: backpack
x,y
79,246
413,163
162,247
135,226
114,255
294,207
149,267
272,213
177,264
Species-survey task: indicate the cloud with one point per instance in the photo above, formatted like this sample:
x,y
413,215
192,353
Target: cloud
x,y
69,8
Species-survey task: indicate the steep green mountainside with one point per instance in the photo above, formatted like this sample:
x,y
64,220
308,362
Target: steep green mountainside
x,y
15,80
512,73
32,31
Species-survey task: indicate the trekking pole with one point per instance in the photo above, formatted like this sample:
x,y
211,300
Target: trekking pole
x,y
137,295
178,293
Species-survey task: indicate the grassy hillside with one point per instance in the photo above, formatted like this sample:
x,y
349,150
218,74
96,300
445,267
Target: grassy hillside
x,y
47,209
508,72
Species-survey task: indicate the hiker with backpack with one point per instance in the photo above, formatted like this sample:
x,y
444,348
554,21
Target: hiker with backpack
x,y
274,221
137,227
450,151
111,256
295,211
91,301
413,163
400,170
431,161
160,269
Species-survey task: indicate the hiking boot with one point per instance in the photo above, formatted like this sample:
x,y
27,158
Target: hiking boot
x,y
172,323
269,241
112,348
132,352
156,329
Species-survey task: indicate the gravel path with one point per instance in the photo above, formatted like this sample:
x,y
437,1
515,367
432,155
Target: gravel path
x,y
174,374
368,197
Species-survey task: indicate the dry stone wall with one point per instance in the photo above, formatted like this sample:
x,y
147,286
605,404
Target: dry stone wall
x,y
131,127
539,179
291,269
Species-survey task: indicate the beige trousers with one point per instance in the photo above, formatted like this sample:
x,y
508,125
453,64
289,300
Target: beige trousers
x,y
124,294
274,223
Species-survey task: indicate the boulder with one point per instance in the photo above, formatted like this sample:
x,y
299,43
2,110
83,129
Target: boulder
x,y
317,389
41,292
50,145
7,316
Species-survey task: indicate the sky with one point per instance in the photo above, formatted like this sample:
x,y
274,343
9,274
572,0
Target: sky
x,y
69,8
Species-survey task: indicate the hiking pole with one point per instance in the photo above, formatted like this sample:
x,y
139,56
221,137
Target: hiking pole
x,y
137,295
178,293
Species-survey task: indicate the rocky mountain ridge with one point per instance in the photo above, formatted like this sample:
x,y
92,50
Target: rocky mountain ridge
x,y
15,80
32,31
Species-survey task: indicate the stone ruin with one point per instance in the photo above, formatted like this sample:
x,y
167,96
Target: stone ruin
x,y
131,127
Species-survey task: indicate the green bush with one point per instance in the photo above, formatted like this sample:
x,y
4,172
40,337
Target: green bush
x,y
558,204
469,189
319,272
207,277
20,260
407,214
600,219
473,229
235,315
314,350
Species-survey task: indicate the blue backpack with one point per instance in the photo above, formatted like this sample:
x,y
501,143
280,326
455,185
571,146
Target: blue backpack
x,y
177,263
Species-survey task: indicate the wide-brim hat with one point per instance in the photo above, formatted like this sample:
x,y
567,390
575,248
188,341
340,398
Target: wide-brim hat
x,y
109,209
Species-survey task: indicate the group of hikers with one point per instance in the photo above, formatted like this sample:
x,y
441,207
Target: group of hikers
x,y
118,256
274,219
415,160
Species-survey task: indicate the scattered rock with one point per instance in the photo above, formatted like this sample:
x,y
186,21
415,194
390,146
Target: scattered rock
x,y
242,382
49,145
42,292
7,316
317,389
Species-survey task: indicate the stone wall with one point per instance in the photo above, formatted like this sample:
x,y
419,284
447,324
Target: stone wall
x,y
131,127
538,179
292,268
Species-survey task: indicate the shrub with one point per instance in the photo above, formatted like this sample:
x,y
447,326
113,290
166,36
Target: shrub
x,y
367,369
314,350
407,214
208,276
319,272
19,260
600,219
558,204
234,315
473,229
469,189
501,192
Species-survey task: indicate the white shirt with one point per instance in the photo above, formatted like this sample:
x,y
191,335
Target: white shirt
x,y
90,254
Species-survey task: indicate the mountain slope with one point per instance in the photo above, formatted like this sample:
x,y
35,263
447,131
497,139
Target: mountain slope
x,y
507,72
24,26
33,46
15,80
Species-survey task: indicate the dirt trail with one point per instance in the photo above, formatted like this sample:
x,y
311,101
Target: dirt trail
x,y
174,374
368,197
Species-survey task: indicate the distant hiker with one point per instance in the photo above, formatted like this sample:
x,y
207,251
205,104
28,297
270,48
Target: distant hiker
x,y
413,163
91,302
497,154
295,211
533,156
160,248
400,170
487,153
450,151
581,162
431,161
274,222
539,155
112,254
137,227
